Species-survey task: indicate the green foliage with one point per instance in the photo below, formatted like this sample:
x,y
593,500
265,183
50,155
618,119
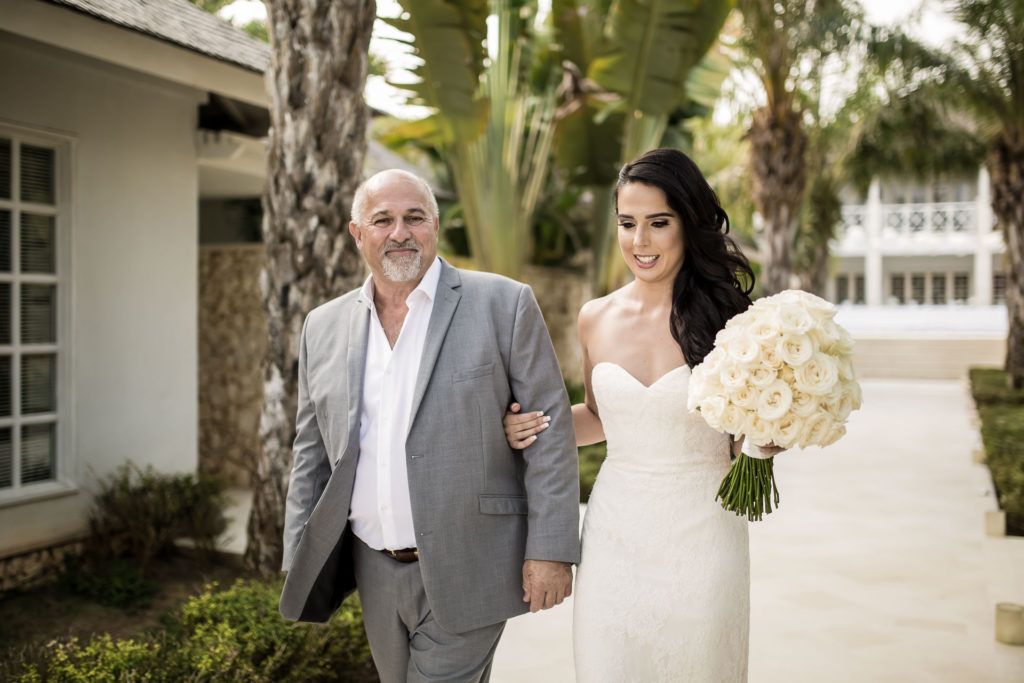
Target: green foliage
x,y
990,385
116,583
1002,431
219,635
591,458
138,514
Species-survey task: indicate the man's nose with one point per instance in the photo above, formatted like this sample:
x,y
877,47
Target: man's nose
x,y
401,231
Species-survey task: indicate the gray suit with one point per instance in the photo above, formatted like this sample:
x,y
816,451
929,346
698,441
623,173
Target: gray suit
x,y
479,507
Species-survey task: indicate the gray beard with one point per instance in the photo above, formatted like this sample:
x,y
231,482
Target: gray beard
x,y
402,269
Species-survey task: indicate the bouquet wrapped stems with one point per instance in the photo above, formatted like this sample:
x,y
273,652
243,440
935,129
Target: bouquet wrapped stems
x,y
749,487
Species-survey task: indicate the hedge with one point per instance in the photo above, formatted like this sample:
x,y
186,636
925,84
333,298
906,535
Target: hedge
x,y
1001,410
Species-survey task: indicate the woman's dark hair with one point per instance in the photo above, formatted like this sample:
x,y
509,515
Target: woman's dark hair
x,y
715,281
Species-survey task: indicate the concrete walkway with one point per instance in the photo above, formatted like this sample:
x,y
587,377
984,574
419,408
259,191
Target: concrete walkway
x,y
876,567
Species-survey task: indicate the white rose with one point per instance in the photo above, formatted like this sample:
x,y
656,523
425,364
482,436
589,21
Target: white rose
x,y
787,375
786,431
817,376
845,343
711,409
804,404
758,430
845,366
770,355
733,419
775,401
733,376
833,435
855,393
795,349
816,428
795,318
761,376
818,307
764,328
727,334
745,397
743,349
712,362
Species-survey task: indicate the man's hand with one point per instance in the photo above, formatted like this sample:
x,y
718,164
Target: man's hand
x,y
546,583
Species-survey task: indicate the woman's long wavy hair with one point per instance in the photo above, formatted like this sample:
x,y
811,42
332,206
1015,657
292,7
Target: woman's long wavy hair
x,y
715,281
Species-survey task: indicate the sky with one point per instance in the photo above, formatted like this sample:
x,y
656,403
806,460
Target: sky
x,y
933,26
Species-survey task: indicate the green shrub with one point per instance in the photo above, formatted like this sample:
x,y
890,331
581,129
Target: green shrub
x,y
219,635
138,514
116,583
989,385
1002,432
591,458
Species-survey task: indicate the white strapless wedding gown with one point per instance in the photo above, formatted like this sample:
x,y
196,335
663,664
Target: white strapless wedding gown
x,y
663,588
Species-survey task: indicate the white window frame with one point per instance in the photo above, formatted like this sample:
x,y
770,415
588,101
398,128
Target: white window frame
x,y
64,462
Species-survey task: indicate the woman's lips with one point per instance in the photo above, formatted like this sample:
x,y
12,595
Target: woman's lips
x,y
647,262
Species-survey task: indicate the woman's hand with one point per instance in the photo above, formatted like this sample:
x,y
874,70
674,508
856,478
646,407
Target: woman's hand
x,y
522,430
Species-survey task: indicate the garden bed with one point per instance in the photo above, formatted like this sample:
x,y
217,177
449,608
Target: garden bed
x,y
1001,411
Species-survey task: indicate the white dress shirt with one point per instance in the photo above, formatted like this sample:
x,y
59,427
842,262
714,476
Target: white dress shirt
x,y
381,512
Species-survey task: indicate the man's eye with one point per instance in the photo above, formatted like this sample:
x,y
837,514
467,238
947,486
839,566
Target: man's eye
x,y
414,220
382,222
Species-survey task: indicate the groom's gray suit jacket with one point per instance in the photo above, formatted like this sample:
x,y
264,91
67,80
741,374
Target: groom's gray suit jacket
x,y
479,507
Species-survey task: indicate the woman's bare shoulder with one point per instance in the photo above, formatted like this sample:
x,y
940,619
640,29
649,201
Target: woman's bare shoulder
x,y
602,307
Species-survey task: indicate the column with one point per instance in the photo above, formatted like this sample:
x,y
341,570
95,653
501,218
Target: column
x,y
982,251
873,275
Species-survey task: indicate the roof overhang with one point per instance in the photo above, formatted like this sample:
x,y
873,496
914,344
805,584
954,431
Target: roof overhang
x,y
80,33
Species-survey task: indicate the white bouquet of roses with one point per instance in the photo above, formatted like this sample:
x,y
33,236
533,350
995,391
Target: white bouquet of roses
x,y
781,374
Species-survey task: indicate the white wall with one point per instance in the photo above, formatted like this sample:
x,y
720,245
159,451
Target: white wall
x,y
133,270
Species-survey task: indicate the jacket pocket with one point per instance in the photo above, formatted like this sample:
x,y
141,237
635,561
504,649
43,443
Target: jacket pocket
x,y
503,505
472,373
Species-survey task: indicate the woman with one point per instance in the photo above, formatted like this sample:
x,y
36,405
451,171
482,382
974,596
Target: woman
x,y
662,591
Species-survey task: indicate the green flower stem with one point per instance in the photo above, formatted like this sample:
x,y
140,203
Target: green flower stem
x,y
749,488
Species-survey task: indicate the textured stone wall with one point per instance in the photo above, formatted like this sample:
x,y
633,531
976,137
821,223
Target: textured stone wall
x,y
561,293
232,341
35,567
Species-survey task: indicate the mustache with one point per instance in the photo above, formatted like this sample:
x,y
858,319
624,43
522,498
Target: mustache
x,y
407,244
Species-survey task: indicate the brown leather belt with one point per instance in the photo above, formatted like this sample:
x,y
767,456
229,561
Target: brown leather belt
x,y
403,555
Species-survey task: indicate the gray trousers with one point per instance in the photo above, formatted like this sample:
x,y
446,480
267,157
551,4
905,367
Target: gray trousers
x,y
407,644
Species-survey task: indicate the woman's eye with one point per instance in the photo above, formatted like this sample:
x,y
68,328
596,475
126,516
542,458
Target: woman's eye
x,y
627,226
659,224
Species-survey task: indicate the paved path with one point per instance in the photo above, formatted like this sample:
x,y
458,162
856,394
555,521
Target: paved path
x,y
876,568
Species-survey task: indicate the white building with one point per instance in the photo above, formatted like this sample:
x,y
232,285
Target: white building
x,y
918,275
924,244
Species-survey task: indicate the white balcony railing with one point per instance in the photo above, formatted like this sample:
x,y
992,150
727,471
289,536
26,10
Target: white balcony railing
x,y
912,219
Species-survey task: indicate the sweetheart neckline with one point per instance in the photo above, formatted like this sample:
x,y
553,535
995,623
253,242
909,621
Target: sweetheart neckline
x,y
630,375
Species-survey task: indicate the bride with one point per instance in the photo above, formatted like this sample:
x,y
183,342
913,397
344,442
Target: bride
x,y
663,587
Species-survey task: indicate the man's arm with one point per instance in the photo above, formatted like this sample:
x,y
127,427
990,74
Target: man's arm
x,y
310,468
552,469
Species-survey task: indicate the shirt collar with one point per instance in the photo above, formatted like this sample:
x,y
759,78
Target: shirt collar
x,y
427,285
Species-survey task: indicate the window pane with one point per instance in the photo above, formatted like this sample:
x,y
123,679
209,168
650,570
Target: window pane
x,y
37,244
38,314
5,168
5,241
842,288
5,386
858,289
37,174
38,452
5,313
5,457
39,384
938,288
917,288
899,288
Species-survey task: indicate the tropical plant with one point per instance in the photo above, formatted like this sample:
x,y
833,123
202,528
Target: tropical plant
x,y
619,79
316,145
785,43
983,74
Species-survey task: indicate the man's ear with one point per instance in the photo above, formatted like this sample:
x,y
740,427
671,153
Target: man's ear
x,y
353,230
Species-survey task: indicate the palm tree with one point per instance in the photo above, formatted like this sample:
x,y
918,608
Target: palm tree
x,y
316,146
983,74
782,40
623,75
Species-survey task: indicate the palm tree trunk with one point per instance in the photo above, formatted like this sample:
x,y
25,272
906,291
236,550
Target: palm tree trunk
x,y
777,147
317,141
1006,169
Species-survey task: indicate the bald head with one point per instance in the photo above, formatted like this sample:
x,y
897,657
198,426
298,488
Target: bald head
x,y
380,183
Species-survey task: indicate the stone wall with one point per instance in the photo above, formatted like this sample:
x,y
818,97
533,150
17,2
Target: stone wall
x,y
561,293
232,342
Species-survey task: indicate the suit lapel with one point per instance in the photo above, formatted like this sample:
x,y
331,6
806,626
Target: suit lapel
x,y
359,322
445,302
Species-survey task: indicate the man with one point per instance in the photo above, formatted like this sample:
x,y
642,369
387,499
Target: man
x,y
403,484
